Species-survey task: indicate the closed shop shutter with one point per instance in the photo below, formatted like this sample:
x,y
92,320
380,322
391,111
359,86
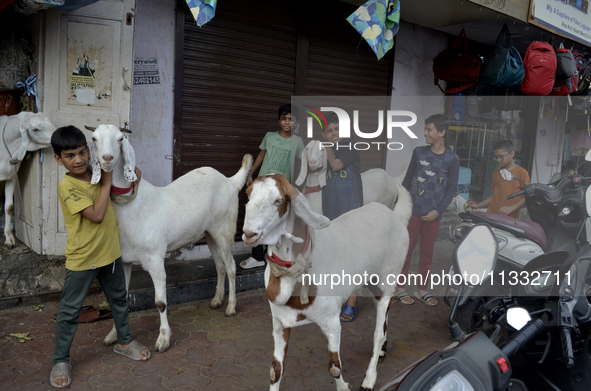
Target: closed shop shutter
x,y
235,72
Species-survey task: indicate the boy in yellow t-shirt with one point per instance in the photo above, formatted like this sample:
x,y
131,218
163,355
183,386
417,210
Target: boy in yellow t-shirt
x,y
504,152
92,251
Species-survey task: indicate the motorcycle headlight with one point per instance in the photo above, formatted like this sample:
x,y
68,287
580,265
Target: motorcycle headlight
x,y
453,380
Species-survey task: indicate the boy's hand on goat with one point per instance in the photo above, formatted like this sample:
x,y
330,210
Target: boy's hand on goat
x,y
431,216
138,173
106,178
249,181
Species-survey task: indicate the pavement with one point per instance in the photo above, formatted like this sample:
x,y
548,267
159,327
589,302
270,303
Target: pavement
x,y
210,351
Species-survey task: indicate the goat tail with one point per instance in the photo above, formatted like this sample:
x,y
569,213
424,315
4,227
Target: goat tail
x,y
403,209
239,179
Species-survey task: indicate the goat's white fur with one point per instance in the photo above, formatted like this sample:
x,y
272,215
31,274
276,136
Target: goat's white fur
x,y
313,158
371,239
201,203
378,185
20,133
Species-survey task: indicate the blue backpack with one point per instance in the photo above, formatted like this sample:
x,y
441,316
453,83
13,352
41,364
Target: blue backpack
x,y
503,66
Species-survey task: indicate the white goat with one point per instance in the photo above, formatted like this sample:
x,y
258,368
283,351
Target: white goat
x,y
314,159
20,133
372,239
201,203
378,185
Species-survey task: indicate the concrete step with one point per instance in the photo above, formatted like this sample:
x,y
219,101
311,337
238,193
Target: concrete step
x,y
188,281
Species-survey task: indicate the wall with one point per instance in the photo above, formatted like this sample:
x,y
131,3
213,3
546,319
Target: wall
x,y
549,140
152,104
416,47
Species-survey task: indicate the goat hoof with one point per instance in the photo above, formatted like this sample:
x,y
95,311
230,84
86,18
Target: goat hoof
x,y
9,243
215,304
111,338
162,345
381,358
230,313
365,389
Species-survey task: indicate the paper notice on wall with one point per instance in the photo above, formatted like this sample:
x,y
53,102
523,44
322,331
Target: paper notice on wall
x,y
146,71
569,17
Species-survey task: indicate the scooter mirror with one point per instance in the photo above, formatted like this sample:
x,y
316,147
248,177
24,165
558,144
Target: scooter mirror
x,y
506,175
588,200
588,156
475,256
517,317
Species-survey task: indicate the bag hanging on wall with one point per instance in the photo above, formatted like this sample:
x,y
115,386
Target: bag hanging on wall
x,y
503,66
539,63
565,63
457,65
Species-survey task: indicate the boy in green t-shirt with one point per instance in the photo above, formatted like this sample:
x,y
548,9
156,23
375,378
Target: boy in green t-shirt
x,y
92,251
276,157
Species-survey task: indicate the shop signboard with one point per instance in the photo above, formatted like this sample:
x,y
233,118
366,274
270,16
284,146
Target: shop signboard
x,y
567,17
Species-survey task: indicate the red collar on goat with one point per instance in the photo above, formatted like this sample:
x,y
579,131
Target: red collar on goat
x,y
121,190
313,189
278,261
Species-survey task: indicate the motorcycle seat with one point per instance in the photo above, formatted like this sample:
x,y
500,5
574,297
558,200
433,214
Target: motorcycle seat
x,y
532,229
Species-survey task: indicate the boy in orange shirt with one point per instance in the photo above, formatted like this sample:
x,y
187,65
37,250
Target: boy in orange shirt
x,y
498,203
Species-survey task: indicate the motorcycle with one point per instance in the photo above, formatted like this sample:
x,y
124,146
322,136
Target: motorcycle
x,y
558,225
552,352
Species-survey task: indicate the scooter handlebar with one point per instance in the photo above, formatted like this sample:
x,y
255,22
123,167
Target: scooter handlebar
x,y
516,194
567,347
522,337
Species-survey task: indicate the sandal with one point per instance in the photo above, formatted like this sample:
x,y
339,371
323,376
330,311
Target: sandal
x,y
133,351
349,310
251,263
425,298
61,369
404,295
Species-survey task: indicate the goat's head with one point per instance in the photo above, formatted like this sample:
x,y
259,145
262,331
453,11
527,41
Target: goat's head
x,y
35,131
107,148
271,199
314,157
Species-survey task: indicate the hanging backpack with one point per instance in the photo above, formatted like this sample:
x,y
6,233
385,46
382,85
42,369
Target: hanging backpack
x,y
539,63
503,66
565,63
457,65
584,86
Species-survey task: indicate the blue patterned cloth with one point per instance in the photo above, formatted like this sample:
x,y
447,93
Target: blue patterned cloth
x,y
203,10
377,21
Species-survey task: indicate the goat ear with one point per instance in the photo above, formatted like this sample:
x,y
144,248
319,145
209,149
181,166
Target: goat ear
x,y
23,130
94,164
322,178
301,207
303,170
129,157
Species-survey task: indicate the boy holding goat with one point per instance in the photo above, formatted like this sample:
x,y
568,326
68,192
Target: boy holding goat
x,y
92,251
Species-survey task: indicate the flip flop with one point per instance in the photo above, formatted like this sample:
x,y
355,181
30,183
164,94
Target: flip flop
x,y
351,311
61,369
403,295
133,351
90,314
251,263
425,298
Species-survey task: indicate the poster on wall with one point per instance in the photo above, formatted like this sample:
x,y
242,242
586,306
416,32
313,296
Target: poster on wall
x,y
146,71
568,17
89,64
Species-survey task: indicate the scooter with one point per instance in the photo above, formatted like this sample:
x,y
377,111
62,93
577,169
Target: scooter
x,y
558,224
552,352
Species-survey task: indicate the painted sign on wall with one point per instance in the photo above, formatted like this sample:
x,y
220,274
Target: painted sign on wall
x,y
569,17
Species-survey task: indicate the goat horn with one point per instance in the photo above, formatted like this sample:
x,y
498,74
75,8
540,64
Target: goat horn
x,y
90,128
125,130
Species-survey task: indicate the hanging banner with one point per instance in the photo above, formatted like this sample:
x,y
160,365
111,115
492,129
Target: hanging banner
x,y
567,17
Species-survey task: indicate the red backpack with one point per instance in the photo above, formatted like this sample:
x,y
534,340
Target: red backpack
x,y
540,68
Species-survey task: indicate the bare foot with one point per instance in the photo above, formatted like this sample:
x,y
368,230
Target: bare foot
x,y
61,381
143,353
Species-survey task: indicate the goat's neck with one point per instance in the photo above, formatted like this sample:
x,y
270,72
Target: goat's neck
x,y
313,178
118,177
286,249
